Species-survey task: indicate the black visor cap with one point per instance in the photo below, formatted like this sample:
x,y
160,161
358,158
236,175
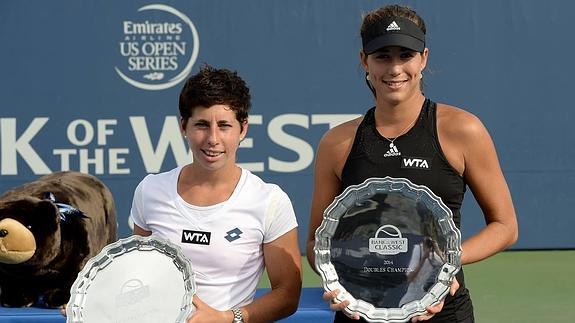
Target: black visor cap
x,y
393,31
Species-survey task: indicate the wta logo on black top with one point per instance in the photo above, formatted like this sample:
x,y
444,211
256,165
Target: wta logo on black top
x,y
416,163
196,237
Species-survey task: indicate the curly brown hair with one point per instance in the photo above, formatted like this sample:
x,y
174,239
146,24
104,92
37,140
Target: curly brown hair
x,y
212,86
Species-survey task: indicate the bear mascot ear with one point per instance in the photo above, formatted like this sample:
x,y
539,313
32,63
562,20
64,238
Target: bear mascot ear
x,y
46,239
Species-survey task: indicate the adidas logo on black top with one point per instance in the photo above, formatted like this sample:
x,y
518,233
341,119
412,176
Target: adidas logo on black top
x,y
393,26
393,151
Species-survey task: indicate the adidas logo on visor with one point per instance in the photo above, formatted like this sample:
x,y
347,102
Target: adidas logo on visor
x,y
393,26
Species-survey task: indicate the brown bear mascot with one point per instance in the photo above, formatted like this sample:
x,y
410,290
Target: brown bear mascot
x,y
49,229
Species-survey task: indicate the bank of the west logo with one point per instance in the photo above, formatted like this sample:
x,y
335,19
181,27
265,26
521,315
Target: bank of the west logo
x,y
157,50
392,244
196,237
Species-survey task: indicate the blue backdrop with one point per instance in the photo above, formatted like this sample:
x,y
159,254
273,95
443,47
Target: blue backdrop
x,y
93,86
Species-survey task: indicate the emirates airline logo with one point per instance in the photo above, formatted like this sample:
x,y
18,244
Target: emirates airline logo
x,y
158,48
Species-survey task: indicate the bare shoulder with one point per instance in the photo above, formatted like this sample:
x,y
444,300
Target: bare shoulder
x,y
341,135
335,146
458,123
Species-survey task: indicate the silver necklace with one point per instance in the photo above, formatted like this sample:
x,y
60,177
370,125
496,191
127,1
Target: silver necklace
x,y
391,144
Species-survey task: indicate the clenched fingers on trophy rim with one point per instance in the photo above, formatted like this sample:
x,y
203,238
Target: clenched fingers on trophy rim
x,y
335,305
423,317
351,315
331,295
435,308
338,306
454,286
431,310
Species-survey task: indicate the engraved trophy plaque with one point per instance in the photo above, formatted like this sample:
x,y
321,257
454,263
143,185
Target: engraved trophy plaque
x,y
390,246
136,279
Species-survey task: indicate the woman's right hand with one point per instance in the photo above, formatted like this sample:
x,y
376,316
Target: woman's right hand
x,y
204,313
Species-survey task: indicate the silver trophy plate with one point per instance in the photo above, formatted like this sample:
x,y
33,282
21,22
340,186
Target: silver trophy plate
x,y
391,248
136,279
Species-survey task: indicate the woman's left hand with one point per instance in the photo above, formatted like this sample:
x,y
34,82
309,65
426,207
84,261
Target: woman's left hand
x,y
335,305
432,310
